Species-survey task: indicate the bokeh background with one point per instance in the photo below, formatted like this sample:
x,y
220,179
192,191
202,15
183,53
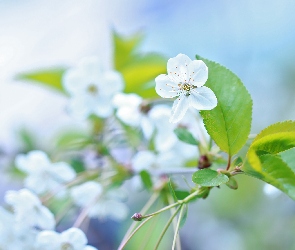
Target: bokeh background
x,y
255,39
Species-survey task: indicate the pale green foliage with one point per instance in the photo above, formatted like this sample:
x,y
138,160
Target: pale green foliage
x,y
270,157
229,123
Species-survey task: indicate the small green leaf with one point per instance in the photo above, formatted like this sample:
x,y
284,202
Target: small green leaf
x,y
232,183
230,122
146,179
139,70
48,77
184,216
238,162
171,189
185,136
209,178
181,194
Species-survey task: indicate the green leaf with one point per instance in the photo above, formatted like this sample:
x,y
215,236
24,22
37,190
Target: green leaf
x,y
48,77
271,157
181,194
146,179
229,123
139,70
272,140
172,190
232,183
185,136
209,178
275,172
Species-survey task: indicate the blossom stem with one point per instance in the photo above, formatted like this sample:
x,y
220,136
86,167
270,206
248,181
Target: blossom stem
x,y
177,239
166,227
228,162
147,206
82,216
131,235
175,227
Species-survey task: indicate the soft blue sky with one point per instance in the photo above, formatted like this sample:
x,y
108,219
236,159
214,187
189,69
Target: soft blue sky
x,y
255,39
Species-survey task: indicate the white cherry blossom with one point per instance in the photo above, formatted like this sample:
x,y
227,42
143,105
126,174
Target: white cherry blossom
x,y
28,209
91,88
132,110
42,174
101,205
14,235
185,81
73,239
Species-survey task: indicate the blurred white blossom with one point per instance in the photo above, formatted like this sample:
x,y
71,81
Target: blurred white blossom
x,y
28,209
132,110
91,89
73,239
43,175
100,205
14,235
185,81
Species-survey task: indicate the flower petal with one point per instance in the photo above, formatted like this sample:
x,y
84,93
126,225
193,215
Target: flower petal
x,y
179,108
143,160
86,193
198,73
177,68
112,82
62,172
48,240
202,99
165,87
75,237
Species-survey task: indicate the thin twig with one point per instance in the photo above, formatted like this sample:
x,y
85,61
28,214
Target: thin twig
x,y
147,206
166,227
131,235
177,239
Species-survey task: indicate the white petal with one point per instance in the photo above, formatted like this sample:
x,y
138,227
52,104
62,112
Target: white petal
x,y
143,160
165,139
169,159
36,183
85,193
74,81
129,115
103,107
198,73
122,99
75,237
165,87
62,172
79,107
44,218
147,127
112,83
48,240
179,108
202,98
177,68
116,210
89,248
34,161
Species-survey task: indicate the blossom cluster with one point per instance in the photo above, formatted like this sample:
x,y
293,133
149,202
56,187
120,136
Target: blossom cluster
x,y
99,191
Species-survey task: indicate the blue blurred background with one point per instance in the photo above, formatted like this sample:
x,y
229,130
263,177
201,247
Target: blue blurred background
x,y
255,39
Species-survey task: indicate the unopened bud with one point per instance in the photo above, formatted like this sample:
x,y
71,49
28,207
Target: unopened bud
x,y
204,162
136,217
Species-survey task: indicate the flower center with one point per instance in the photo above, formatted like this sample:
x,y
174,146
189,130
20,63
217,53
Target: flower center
x,y
67,246
185,87
92,89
